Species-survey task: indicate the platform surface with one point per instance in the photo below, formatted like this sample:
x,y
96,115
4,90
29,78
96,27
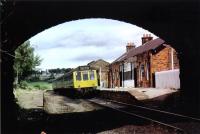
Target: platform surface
x,y
142,93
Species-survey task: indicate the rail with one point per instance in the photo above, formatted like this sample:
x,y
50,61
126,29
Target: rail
x,y
122,108
156,110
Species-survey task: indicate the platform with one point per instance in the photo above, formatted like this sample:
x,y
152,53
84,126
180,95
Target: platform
x,y
142,93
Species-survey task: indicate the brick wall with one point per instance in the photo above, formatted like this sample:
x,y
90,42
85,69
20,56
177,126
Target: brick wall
x,y
114,78
161,60
176,60
104,78
143,59
104,70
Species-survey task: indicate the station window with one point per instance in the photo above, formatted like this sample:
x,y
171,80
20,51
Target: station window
x,y
127,75
78,76
91,75
85,75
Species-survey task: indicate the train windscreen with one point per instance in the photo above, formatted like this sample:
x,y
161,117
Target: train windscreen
x,y
91,75
85,75
78,76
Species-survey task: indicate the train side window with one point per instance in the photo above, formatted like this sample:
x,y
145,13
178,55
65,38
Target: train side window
x,y
85,75
91,75
78,76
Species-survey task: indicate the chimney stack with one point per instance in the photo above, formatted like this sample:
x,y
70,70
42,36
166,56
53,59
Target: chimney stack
x,y
146,38
129,46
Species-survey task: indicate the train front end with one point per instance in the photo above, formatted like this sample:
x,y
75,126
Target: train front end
x,y
85,79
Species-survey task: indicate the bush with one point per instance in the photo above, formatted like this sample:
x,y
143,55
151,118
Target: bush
x,y
37,86
50,81
33,79
44,87
23,84
41,87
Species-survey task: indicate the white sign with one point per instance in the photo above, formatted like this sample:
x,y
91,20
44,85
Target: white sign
x,y
129,83
127,67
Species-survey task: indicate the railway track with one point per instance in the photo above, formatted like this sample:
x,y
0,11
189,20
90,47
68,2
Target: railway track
x,y
174,123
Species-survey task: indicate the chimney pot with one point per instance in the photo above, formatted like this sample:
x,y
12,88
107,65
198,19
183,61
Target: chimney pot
x,y
146,38
129,46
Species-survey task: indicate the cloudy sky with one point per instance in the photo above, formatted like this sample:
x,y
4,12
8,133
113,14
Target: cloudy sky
x,y
76,43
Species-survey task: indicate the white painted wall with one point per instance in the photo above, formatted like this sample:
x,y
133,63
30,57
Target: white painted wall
x,y
167,79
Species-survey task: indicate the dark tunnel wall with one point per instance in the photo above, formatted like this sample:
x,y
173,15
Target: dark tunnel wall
x,y
175,22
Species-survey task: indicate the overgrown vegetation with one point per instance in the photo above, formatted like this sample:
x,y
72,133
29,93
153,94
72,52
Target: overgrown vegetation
x,y
39,85
42,85
23,85
25,62
27,77
59,70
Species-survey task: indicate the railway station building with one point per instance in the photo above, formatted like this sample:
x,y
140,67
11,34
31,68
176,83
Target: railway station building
x,y
153,64
102,68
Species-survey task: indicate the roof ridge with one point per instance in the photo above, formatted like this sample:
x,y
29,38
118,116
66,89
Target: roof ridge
x,y
152,44
147,43
119,58
146,47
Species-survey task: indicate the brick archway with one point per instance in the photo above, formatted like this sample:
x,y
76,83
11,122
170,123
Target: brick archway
x,y
175,22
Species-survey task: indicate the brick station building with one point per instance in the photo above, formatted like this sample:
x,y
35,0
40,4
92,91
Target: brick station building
x,y
102,68
153,64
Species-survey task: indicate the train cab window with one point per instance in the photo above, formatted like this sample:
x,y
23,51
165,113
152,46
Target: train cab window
x,y
91,75
78,76
85,75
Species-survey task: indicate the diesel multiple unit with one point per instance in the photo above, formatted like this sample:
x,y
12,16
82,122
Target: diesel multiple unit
x,y
82,78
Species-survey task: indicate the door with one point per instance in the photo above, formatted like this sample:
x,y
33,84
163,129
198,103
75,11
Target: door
x,y
135,77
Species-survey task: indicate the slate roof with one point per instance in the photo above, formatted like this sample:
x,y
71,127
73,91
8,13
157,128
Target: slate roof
x,y
150,45
122,57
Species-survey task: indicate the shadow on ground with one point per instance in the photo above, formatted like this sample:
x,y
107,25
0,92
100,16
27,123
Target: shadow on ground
x,y
36,120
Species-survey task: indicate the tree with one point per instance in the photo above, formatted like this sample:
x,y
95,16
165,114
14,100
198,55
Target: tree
x,y
25,61
58,70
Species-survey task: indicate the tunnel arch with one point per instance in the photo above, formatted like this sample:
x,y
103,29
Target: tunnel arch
x,y
175,22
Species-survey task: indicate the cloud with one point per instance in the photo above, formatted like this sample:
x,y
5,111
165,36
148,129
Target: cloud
x,y
78,42
86,58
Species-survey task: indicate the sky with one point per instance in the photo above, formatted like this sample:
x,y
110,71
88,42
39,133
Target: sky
x,y
79,42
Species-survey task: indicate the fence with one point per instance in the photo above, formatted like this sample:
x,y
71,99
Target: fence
x,y
167,79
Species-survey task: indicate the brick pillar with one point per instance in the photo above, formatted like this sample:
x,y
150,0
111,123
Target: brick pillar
x,y
8,106
151,70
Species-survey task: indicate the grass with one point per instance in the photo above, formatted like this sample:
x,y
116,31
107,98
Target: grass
x,y
28,99
30,94
38,85
41,85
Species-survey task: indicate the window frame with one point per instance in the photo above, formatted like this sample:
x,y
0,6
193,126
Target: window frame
x,y
85,73
77,74
91,74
